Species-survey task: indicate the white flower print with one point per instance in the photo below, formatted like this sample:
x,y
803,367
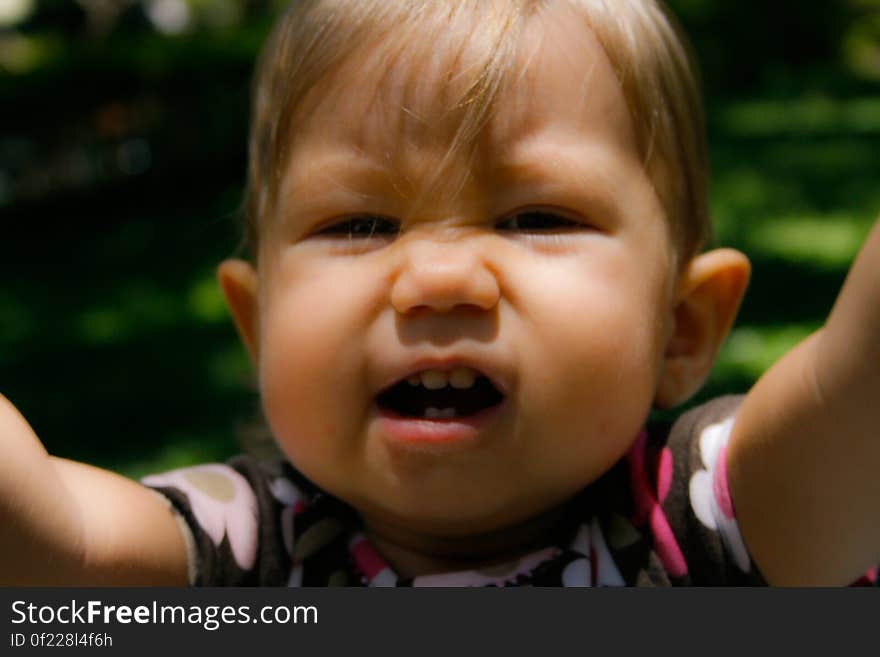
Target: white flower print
x,y
289,495
709,494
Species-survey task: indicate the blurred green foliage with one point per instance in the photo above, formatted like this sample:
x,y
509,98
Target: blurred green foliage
x,y
122,155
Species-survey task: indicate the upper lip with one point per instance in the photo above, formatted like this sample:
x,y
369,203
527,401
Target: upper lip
x,y
497,370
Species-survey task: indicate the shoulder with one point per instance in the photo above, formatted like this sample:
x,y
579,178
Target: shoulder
x,y
236,517
687,427
678,483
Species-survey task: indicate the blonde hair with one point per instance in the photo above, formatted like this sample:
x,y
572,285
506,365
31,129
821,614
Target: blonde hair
x,y
314,38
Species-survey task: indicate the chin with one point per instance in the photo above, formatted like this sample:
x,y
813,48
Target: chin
x,y
456,517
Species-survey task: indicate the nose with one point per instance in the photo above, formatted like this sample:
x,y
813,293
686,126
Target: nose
x,y
442,276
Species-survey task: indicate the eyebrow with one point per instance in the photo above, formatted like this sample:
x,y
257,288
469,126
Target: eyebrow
x,y
585,171
333,171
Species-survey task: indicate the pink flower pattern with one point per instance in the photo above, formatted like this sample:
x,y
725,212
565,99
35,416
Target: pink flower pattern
x,y
223,504
648,503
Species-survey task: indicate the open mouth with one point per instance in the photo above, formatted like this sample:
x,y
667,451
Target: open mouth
x,y
440,395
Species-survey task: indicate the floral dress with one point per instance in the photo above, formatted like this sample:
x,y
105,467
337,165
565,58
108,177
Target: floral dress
x,y
662,516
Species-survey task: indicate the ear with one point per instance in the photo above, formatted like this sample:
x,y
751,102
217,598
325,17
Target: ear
x,y
238,280
708,296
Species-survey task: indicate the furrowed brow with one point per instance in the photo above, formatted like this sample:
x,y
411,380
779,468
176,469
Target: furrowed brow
x,y
331,178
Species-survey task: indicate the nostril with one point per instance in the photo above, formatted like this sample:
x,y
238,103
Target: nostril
x,y
442,288
462,311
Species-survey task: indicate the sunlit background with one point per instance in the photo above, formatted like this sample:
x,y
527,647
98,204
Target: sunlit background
x,y
122,154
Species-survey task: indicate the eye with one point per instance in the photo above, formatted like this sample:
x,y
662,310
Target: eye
x,y
361,227
538,221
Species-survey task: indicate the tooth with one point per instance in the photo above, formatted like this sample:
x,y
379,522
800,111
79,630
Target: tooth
x,y
434,379
432,413
414,380
462,377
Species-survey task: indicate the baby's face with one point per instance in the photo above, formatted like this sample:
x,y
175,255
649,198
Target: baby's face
x,y
464,369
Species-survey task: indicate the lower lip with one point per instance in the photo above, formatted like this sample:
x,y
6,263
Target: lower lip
x,y
421,431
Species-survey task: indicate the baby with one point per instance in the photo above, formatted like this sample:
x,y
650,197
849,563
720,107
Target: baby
x,y
476,232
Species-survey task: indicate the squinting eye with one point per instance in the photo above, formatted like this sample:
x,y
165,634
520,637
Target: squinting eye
x,y
361,227
537,221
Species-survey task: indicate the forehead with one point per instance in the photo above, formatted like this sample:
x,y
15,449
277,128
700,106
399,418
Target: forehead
x,y
401,98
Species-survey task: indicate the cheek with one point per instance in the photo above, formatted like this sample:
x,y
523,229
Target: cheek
x,y
604,375
597,344
311,369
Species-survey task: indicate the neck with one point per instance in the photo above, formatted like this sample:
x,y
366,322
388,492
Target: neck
x,y
413,554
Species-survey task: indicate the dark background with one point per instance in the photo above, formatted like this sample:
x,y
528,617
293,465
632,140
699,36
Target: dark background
x,y
122,158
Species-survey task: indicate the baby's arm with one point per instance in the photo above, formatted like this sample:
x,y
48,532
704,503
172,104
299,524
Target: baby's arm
x,y
65,523
804,459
